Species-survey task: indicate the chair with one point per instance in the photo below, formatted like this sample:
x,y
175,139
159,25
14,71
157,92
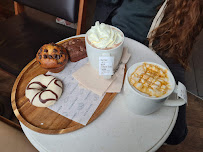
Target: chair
x,y
21,35
69,12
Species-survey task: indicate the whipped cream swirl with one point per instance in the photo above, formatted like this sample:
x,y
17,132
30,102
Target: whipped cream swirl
x,y
104,36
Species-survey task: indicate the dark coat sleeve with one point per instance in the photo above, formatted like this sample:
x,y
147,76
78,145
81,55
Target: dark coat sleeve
x,y
104,10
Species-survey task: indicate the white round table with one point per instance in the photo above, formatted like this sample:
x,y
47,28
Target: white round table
x,y
116,129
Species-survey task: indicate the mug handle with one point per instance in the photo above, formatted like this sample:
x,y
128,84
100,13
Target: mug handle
x,y
174,100
106,76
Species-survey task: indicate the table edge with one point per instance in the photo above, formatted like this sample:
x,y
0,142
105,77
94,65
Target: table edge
x,y
168,132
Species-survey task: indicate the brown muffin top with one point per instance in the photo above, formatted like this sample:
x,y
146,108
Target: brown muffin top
x,y
52,56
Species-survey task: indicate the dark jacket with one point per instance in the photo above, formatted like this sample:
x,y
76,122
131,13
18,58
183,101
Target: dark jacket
x,y
133,17
105,9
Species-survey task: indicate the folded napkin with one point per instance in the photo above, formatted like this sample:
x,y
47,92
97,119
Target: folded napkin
x,y
90,79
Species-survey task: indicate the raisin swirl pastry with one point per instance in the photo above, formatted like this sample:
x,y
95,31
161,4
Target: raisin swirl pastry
x,y
44,90
52,57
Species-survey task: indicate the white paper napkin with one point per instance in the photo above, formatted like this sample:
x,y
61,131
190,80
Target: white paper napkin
x,y
76,103
90,79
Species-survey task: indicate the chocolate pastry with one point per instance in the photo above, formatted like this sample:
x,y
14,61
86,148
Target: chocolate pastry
x,y
76,48
52,57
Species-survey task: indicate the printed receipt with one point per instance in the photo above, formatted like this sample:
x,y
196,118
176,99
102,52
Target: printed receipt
x,y
182,92
106,65
76,103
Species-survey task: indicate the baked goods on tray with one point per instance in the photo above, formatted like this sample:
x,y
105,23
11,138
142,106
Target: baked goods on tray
x,y
44,90
76,48
52,57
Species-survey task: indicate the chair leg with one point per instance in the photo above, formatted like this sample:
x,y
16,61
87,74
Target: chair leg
x,y
81,17
19,8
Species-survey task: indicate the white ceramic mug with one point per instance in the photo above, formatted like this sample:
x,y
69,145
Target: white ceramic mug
x,y
94,53
142,104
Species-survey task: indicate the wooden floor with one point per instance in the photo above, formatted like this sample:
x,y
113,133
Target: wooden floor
x,y
194,79
194,76
6,9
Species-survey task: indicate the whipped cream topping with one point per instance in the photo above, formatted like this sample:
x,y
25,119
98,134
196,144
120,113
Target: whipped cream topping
x,y
104,36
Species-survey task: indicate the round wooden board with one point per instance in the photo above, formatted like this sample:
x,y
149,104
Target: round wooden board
x,y
44,120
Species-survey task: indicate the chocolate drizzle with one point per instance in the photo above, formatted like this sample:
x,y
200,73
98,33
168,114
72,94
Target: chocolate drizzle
x,y
34,97
51,81
55,82
36,82
44,89
47,75
49,99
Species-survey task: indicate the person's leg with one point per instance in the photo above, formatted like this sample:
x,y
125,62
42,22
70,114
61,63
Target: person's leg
x,y
179,131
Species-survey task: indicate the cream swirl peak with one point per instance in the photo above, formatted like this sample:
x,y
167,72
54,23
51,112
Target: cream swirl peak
x,y
104,36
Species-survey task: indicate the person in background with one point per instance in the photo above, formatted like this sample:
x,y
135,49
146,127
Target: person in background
x,y
168,27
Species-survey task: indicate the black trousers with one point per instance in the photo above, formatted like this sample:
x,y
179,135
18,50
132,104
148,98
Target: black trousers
x,y
180,130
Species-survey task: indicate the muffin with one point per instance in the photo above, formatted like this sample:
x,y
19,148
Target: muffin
x,y
52,57
76,48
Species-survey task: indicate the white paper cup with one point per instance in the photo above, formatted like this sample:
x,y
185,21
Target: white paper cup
x,y
94,53
142,104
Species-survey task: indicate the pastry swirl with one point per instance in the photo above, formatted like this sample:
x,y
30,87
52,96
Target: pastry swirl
x,y
44,90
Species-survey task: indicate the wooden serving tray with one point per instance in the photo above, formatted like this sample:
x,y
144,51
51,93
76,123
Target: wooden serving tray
x,y
44,120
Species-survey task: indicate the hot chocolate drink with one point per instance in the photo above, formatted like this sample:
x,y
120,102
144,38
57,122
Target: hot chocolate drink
x,y
150,80
103,36
104,46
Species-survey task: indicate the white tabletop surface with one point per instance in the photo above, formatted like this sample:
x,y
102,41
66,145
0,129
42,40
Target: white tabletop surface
x,y
116,129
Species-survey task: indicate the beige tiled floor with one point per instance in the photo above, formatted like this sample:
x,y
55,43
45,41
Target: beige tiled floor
x,y
12,139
